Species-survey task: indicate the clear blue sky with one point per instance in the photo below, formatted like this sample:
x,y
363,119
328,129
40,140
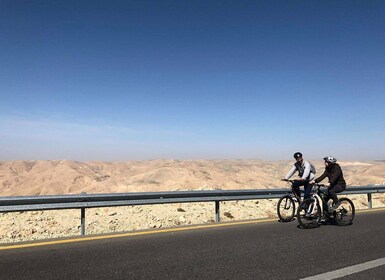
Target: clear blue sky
x,y
133,80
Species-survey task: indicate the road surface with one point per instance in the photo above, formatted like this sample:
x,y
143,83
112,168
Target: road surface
x,y
268,250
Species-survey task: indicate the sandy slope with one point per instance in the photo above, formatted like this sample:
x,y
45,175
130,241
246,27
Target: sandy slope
x,y
62,177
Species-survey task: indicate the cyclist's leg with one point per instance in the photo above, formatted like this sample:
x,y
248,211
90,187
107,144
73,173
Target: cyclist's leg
x,y
327,197
296,185
307,188
333,192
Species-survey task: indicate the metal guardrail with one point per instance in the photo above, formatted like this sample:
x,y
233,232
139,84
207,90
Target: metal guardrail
x,y
83,201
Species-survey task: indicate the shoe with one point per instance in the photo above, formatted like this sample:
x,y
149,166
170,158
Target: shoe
x,y
336,205
324,217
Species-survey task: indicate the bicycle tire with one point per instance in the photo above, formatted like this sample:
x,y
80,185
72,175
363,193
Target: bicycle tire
x,y
286,209
345,213
309,206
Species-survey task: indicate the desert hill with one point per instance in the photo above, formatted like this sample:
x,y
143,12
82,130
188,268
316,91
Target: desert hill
x,y
64,177
72,177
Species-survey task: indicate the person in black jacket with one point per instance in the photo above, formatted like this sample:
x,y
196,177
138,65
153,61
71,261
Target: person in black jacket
x,y
337,182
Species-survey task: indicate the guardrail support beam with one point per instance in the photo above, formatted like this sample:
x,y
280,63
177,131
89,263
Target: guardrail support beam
x,y
83,221
217,216
369,200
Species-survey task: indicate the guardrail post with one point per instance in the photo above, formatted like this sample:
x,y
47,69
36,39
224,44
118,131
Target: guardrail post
x,y
369,200
83,221
217,216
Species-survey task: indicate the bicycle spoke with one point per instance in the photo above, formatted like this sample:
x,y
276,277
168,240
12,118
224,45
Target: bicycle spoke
x,y
345,212
286,208
309,214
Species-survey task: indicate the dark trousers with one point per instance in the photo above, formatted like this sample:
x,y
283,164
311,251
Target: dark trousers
x,y
332,193
306,186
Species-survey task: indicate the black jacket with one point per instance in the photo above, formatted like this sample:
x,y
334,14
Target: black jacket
x,y
335,175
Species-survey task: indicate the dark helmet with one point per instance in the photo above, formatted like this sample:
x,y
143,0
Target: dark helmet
x,y
330,159
297,155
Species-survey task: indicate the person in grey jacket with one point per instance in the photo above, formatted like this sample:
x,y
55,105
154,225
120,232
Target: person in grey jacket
x,y
337,182
305,174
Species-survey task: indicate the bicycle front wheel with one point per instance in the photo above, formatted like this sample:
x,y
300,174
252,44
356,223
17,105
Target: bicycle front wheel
x,y
309,213
344,214
286,208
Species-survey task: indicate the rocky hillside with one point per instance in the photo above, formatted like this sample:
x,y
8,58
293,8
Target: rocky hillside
x,y
71,177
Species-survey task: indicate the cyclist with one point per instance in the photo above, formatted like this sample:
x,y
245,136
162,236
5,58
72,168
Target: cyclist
x,y
305,173
337,182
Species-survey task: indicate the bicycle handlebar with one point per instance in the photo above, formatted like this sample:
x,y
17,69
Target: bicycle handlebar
x,y
289,180
292,181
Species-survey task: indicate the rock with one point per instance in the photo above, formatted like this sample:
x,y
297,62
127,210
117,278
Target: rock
x,y
228,215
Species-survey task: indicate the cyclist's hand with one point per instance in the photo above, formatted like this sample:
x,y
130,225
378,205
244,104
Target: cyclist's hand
x,y
312,182
300,179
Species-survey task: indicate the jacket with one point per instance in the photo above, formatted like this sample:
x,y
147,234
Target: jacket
x,y
304,171
335,175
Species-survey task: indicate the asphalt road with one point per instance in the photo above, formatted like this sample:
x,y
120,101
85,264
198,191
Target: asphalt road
x,y
269,250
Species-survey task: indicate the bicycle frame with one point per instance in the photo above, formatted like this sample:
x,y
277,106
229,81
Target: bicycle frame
x,y
320,202
317,210
288,203
292,192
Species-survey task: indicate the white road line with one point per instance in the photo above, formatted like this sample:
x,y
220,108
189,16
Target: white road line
x,y
347,270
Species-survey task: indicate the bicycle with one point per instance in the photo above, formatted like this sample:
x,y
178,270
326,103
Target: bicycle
x,y
312,210
287,204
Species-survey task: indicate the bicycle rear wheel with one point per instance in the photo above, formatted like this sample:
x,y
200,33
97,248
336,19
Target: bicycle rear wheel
x,y
309,213
344,214
286,208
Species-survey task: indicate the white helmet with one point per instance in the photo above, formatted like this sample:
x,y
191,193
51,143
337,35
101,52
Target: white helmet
x,y
330,159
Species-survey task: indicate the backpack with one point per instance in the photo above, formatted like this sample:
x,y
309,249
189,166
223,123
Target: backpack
x,y
312,168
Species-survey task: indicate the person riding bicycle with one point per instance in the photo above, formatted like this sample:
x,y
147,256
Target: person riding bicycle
x,y
305,173
337,182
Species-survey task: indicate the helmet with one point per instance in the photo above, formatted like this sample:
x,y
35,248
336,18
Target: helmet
x,y
330,159
297,155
